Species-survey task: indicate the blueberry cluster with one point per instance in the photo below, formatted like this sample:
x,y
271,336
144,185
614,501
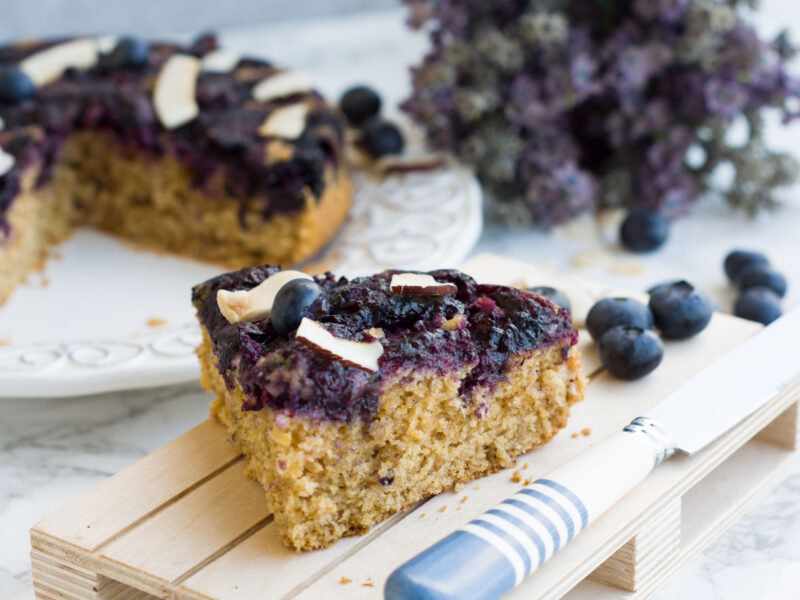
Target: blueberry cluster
x,y
624,328
760,286
361,106
563,106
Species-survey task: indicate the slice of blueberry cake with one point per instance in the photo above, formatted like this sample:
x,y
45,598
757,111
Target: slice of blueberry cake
x,y
354,399
186,149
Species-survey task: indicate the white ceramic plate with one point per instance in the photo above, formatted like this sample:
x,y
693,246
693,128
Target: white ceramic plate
x,y
105,317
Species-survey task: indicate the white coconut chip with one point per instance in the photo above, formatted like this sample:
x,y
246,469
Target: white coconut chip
x,y
174,95
6,162
363,355
281,85
47,65
287,122
255,304
220,61
107,43
420,283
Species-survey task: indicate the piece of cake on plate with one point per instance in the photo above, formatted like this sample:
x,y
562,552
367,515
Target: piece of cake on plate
x,y
354,399
186,149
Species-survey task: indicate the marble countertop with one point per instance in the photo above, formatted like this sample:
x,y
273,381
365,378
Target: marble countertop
x,y
53,450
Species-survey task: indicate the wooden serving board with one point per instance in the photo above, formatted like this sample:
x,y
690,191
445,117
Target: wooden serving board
x,y
185,523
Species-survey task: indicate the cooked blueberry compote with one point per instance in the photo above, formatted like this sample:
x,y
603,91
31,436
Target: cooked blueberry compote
x,y
478,328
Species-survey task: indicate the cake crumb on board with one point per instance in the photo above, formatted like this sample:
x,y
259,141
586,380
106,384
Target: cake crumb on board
x,y
344,580
516,476
156,322
464,499
444,508
586,431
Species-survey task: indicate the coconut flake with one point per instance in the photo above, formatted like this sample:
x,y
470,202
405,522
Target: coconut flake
x,y
47,65
363,355
419,283
105,44
174,95
6,162
287,122
255,304
220,61
281,85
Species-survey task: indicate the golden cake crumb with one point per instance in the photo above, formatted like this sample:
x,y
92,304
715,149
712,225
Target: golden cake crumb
x,y
574,435
5,341
344,580
422,515
525,466
586,431
464,499
444,508
368,584
477,486
516,476
527,481
156,322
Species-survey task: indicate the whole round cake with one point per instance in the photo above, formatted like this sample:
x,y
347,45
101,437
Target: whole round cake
x,y
185,149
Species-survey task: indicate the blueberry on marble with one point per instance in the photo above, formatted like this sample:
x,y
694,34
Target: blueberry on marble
x,y
553,294
611,312
129,52
680,310
380,137
292,303
737,261
630,352
644,230
359,104
15,85
761,276
758,304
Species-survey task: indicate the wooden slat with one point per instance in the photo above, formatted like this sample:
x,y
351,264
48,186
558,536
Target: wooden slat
x,y
224,509
119,502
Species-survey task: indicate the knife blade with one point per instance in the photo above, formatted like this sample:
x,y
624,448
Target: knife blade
x,y
495,552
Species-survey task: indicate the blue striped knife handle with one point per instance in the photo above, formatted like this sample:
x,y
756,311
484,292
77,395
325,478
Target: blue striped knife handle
x,y
494,553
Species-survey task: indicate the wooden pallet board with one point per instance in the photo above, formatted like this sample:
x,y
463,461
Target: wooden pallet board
x,y
185,523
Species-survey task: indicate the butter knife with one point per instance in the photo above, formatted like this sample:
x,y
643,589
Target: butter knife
x,y
495,552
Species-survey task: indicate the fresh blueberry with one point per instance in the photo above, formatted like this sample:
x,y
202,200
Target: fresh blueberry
x,y
680,310
359,104
758,304
15,85
380,137
129,52
553,294
630,352
738,261
644,230
760,276
610,312
293,302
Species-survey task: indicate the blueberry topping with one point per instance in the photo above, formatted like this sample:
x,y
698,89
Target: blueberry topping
x,y
680,310
644,230
761,276
380,137
129,52
758,304
15,86
293,302
611,312
359,104
553,294
738,261
630,352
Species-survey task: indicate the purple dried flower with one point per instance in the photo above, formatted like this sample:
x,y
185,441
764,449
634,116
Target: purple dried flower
x,y
563,106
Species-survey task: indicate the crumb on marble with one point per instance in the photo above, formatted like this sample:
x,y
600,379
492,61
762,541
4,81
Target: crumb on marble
x,y
344,580
156,322
586,431
574,435
464,499
444,508
477,486
5,341
525,466
527,481
516,476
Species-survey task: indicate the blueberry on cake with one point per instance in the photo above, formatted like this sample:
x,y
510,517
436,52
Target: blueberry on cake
x,y
186,149
354,399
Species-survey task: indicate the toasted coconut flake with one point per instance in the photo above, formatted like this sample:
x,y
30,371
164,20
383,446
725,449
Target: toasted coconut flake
x,y
174,95
47,65
254,304
6,162
363,355
420,283
287,122
281,85
220,61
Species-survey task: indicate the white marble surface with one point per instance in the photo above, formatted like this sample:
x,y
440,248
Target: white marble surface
x,y
53,450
